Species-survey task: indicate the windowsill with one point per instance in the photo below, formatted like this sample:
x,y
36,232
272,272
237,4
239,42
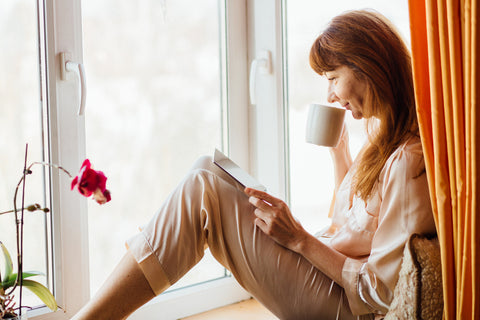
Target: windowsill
x,y
249,309
193,300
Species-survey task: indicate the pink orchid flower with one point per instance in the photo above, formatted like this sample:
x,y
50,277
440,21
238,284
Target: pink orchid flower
x,y
91,182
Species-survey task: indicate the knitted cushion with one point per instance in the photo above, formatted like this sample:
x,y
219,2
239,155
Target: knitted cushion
x,y
418,293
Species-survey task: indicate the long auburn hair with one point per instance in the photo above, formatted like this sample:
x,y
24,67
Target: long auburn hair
x,y
369,44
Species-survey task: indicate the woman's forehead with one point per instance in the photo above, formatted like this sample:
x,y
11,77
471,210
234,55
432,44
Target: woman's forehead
x,y
339,69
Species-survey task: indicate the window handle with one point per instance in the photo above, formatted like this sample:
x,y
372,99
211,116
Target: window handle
x,y
79,70
263,63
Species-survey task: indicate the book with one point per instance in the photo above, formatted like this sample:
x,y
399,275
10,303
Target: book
x,y
237,173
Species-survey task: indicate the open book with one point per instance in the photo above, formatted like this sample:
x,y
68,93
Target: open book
x,y
237,173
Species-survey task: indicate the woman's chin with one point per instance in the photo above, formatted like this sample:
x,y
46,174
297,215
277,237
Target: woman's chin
x,y
357,115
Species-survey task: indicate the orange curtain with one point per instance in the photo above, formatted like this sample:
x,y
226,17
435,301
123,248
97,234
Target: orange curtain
x,y
445,52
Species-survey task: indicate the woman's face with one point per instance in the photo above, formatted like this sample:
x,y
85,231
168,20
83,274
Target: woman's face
x,y
345,88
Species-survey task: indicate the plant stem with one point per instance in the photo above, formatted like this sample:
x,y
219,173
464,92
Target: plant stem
x,y
19,215
20,257
31,208
20,221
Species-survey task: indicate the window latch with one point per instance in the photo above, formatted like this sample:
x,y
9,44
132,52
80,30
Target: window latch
x,y
79,70
263,64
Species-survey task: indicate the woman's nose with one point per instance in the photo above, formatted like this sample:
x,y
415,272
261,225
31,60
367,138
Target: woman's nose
x,y
331,96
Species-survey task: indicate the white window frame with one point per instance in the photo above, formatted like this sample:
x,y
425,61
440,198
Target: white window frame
x,y
269,116
66,143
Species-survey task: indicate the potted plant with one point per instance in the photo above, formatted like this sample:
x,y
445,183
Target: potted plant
x,y
89,182
8,282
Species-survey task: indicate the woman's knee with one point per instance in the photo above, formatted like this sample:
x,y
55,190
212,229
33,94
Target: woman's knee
x,y
204,162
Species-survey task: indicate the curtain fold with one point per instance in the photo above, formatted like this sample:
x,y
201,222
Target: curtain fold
x,y
445,49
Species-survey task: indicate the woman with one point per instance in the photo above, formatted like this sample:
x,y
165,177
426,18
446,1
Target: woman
x,y
347,272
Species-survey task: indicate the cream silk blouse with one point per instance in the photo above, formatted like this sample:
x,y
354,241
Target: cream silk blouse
x,y
373,234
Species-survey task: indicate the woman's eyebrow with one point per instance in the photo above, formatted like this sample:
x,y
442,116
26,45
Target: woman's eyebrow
x,y
330,75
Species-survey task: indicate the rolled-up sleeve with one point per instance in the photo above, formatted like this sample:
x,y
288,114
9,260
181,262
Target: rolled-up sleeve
x,y
404,209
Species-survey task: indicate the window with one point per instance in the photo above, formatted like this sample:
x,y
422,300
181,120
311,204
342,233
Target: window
x,y
157,77
109,68
21,123
154,107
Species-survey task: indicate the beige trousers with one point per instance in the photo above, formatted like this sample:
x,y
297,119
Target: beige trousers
x,y
209,208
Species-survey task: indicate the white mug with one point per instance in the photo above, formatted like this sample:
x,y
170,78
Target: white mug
x,y
324,124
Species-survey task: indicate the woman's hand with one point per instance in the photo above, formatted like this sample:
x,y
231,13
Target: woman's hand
x,y
342,147
342,160
275,220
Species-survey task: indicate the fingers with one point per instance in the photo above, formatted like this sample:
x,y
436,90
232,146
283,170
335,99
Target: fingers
x,y
268,209
261,224
344,135
264,196
259,203
273,218
264,210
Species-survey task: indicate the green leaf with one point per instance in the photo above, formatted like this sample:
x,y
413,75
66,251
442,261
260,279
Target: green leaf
x,y
8,261
9,282
28,274
42,292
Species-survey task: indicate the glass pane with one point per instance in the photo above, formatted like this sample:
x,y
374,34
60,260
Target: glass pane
x,y
153,108
311,168
21,123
